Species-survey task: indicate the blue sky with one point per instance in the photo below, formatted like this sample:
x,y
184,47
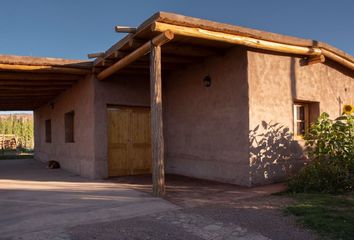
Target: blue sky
x,y
71,29
74,28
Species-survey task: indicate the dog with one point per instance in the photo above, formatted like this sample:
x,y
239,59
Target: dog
x,y
53,164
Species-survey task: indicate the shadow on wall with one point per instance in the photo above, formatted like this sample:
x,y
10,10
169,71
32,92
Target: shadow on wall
x,y
274,155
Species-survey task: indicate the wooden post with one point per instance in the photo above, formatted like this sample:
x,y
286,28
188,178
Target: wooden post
x,y
157,142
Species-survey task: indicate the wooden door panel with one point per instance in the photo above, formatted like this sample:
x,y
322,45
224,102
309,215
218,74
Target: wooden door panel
x,y
141,141
118,141
129,141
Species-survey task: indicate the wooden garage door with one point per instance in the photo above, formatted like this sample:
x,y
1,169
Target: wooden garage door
x,y
129,141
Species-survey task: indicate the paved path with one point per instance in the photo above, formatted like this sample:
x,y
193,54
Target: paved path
x,y
36,202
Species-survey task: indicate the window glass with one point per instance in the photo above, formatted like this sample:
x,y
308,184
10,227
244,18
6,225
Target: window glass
x,y
69,126
48,131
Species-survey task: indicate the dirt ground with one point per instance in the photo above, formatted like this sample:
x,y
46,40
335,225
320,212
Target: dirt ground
x,y
191,192
209,210
38,203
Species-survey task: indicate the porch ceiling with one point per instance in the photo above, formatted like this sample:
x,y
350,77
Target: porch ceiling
x,y
176,54
29,82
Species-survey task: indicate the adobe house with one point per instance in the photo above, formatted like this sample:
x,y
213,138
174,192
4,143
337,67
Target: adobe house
x,y
181,95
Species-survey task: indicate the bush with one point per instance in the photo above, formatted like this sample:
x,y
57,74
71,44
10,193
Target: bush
x,y
330,146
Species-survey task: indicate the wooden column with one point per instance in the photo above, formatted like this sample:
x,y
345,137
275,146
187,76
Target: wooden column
x,y
157,142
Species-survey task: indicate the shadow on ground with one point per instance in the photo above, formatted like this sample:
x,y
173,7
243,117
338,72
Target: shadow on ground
x,y
191,192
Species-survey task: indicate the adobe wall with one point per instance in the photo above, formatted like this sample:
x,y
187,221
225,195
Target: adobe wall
x,y
125,91
275,81
206,128
77,157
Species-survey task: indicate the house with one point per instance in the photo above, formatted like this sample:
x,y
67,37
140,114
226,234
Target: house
x,y
182,95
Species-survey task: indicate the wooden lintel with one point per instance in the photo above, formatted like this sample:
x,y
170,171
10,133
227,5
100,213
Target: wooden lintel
x,y
235,39
157,141
141,51
125,29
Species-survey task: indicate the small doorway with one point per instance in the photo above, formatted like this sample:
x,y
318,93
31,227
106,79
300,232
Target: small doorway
x,y
129,141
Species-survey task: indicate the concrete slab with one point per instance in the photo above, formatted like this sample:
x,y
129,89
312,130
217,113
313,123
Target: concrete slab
x,y
36,199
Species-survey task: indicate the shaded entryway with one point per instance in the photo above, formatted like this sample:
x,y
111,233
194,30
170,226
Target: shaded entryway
x,y
34,199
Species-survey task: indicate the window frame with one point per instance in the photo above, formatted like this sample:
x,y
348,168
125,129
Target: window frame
x,y
305,120
69,127
48,130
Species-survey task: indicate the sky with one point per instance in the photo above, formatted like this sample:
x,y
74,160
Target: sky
x,y
74,28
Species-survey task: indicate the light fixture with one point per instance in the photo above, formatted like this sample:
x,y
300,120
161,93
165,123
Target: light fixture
x,y
207,81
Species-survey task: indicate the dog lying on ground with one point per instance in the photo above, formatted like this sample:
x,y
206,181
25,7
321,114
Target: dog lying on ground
x,y
53,164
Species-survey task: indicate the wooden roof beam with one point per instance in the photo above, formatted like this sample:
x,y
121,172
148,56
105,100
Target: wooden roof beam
x,y
341,60
141,51
252,42
31,88
95,55
39,76
125,29
44,61
39,83
45,69
29,94
315,59
235,39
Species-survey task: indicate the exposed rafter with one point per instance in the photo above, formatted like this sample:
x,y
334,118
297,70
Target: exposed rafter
x,y
125,29
141,51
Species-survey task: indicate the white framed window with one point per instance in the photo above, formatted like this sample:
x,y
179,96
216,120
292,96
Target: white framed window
x,y
301,119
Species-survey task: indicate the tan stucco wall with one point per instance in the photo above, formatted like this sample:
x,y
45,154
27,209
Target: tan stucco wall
x,y
132,91
206,129
275,81
77,157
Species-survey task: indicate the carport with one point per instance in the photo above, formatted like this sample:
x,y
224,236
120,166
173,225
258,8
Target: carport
x,y
40,203
29,82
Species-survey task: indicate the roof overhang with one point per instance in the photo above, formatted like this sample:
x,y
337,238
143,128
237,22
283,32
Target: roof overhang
x,y
194,39
29,82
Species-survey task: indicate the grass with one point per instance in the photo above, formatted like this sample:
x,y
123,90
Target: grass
x,y
332,216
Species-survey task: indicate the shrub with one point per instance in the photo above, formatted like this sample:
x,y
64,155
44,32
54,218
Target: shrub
x,y
330,146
